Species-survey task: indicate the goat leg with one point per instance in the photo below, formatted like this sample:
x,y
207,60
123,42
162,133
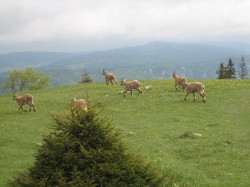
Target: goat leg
x,y
186,97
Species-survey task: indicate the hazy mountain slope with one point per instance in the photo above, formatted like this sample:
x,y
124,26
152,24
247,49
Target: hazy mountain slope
x,y
155,60
20,60
152,53
151,61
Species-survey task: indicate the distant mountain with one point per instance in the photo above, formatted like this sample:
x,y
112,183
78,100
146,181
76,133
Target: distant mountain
x,y
20,60
153,53
155,60
240,46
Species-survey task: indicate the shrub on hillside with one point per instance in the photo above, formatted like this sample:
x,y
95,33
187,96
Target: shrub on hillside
x,y
85,78
84,150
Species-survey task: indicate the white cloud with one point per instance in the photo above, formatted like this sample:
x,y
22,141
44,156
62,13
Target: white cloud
x,y
29,21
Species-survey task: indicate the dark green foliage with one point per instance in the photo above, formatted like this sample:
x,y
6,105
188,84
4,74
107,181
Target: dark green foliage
x,y
230,69
84,150
221,72
226,72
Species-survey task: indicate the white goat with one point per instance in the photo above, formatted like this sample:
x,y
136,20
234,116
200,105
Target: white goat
x,y
130,86
79,103
22,100
109,77
178,80
194,87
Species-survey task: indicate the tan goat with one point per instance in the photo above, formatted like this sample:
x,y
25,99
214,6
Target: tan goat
x,y
178,80
109,77
26,99
130,86
194,87
79,103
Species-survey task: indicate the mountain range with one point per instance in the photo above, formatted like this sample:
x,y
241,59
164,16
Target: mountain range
x,y
155,60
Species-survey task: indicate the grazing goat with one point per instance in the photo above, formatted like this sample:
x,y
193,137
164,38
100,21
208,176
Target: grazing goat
x,y
109,77
192,88
79,103
131,85
26,99
178,80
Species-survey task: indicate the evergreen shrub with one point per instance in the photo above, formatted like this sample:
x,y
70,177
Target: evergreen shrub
x,y
84,150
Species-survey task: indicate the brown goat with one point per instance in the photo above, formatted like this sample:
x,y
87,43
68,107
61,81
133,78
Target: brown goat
x,y
79,103
194,87
178,80
26,99
109,77
130,86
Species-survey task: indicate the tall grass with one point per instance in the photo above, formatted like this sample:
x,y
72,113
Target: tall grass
x,y
195,143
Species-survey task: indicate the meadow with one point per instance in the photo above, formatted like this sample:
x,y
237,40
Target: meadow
x,y
194,143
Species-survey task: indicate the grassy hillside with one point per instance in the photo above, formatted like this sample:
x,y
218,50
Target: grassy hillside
x,y
195,143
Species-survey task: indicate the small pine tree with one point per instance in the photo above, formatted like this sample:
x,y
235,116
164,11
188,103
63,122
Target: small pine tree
x,y
221,72
242,69
230,70
84,150
86,78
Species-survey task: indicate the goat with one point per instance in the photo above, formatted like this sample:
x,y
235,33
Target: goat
x,y
79,103
192,88
109,77
131,85
22,100
178,80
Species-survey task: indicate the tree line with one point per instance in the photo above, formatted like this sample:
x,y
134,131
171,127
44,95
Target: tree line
x,y
229,71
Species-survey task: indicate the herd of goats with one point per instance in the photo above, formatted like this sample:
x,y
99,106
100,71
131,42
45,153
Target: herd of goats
x,y
128,86
179,81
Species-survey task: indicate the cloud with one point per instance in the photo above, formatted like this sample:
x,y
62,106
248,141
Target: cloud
x,y
29,21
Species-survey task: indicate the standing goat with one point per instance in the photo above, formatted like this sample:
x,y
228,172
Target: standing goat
x,y
192,88
178,80
109,77
26,99
79,103
129,86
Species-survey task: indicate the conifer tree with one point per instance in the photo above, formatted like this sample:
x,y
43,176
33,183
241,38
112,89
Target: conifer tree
x,y
221,72
230,70
85,150
86,77
242,69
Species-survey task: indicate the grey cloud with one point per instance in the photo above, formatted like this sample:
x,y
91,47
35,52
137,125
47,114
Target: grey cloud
x,y
28,21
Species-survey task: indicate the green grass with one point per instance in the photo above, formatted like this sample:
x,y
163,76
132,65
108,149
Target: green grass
x,y
159,125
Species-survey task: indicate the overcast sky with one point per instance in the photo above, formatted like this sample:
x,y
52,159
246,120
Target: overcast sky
x,y
78,25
